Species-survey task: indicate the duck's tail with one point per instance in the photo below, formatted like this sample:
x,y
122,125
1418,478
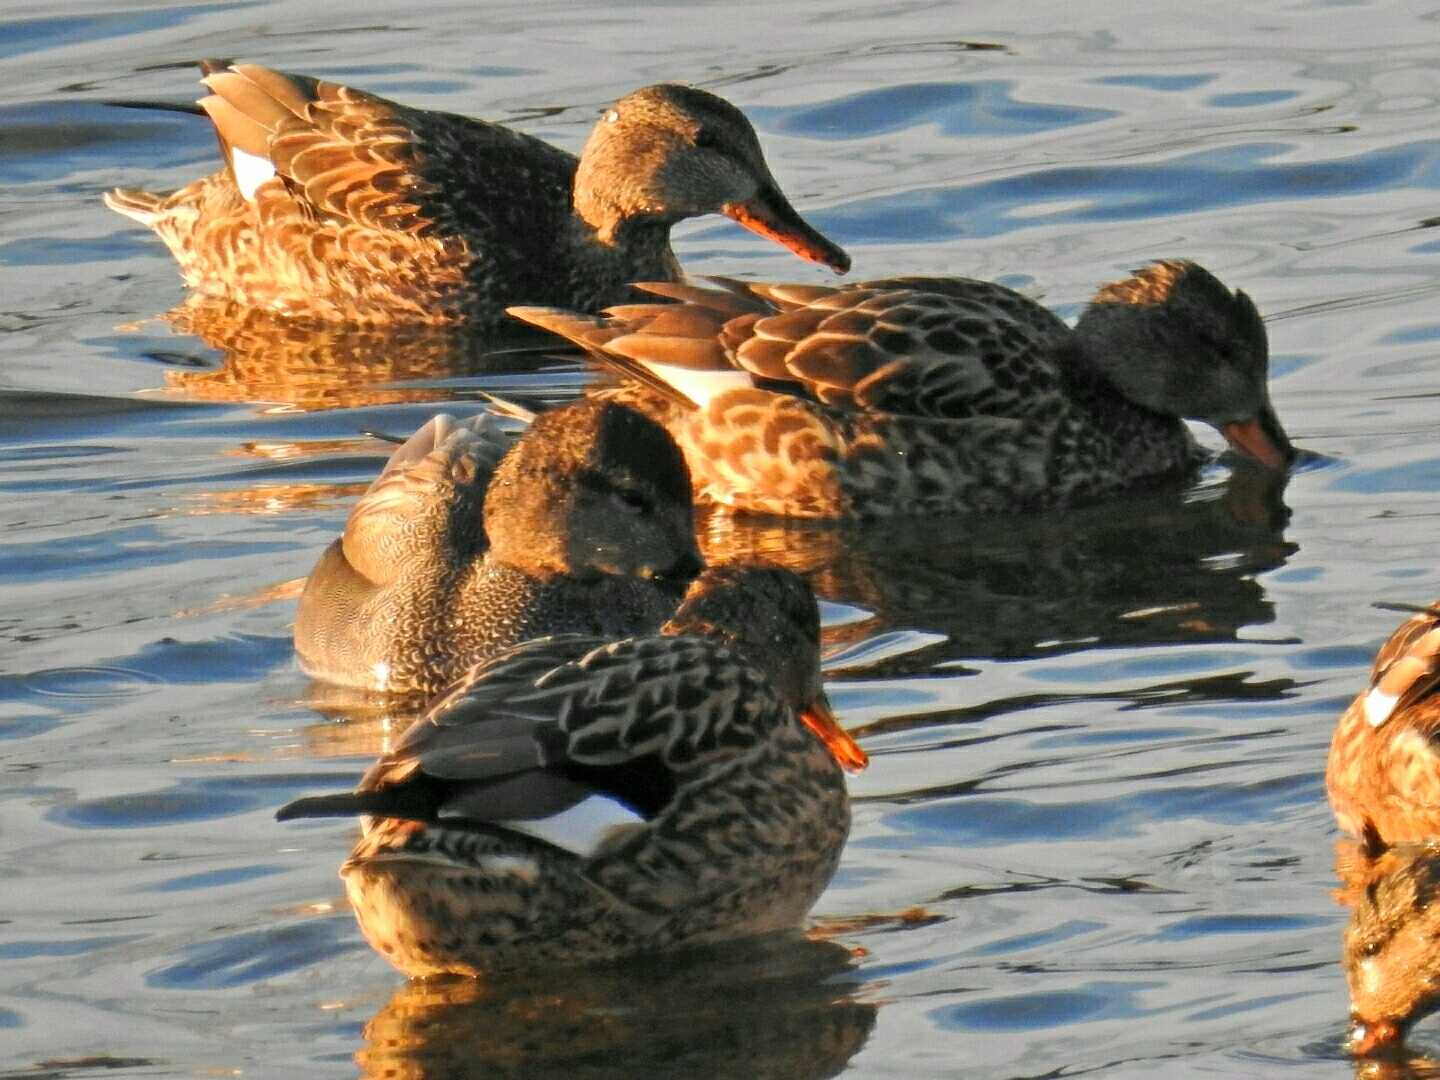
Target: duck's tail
x,y
398,801
674,349
146,207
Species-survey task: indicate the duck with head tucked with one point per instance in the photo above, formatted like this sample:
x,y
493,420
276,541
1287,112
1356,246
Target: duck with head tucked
x,y
573,800
938,395
336,204
462,548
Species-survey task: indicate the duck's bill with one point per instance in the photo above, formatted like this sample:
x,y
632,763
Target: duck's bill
x,y
1261,438
1376,1037
819,719
770,215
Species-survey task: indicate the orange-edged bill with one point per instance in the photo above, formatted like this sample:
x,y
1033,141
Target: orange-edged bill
x,y
819,719
770,215
1262,438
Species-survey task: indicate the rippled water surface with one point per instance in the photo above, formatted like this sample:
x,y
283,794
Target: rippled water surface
x,y
1093,838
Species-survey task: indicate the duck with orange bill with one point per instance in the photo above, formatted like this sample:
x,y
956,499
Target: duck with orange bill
x,y
920,395
338,205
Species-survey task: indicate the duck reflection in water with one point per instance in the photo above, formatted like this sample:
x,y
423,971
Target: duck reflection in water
x,y
1150,568
789,1011
1391,945
309,366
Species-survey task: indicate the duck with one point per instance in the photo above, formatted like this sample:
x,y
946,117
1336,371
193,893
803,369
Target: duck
x,y
465,545
576,800
338,205
1383,773
1392,968
925,395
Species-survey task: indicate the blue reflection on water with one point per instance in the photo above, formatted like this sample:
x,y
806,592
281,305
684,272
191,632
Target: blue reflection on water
x,y
1239,174
1033,1012
984,107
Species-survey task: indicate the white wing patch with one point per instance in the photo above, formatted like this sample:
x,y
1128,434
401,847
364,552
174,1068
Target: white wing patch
x,y
581,828
701,385
250,171
1378,705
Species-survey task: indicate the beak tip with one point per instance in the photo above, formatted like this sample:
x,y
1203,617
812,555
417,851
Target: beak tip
x,y
775,219
1375,1037
1257,441
842,745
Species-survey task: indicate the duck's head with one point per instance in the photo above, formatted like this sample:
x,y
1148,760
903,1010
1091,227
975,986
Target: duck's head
x,y
1173,338
1390,955
668,152
768,615
594,488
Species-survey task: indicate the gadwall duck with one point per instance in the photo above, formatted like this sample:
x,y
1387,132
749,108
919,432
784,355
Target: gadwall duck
x,y
461,549
1383,774
937,395
336,204
574,800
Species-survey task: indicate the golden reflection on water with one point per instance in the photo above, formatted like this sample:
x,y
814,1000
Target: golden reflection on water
x,y
1402,1068
357,723
779,1007
307,366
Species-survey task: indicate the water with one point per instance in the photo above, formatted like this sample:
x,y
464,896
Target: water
x,y
1094,836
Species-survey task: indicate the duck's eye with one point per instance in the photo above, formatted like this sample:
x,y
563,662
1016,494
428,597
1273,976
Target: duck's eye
x,y
633,501
707,139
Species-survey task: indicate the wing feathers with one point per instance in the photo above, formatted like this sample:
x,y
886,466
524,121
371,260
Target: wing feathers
x,y
251,100
294,93
348,154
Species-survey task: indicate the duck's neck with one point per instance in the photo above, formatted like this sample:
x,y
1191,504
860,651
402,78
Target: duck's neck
x,y
640,240
1086,381
1090,389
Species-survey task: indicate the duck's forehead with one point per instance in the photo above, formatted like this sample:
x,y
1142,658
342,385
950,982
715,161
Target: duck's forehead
x,y
1151,285
680,106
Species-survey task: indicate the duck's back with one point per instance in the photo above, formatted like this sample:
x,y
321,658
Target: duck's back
x,y
424,629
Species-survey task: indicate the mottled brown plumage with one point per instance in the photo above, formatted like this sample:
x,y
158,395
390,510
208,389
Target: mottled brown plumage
x,y
572,801
339,205
1383,775
926,395
455,553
